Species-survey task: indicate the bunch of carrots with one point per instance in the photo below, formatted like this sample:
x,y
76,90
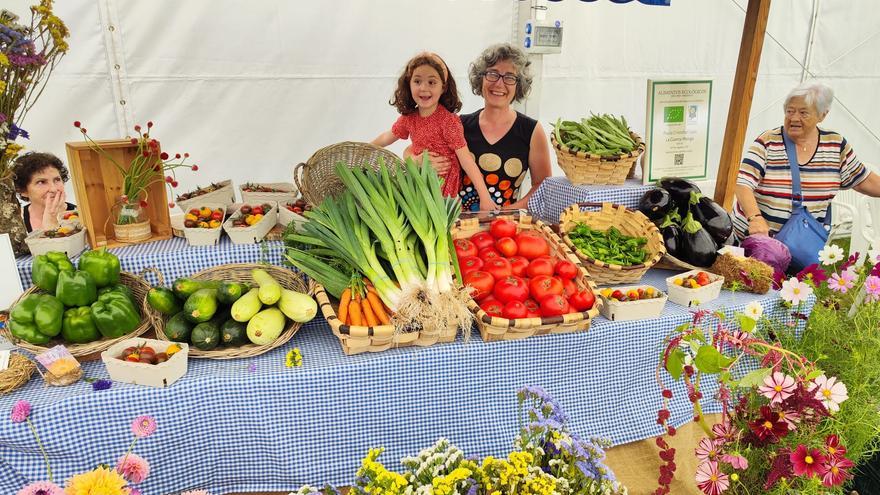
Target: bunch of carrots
x,y
360,305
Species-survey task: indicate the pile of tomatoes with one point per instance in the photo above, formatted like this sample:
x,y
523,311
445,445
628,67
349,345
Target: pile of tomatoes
x,y
513,275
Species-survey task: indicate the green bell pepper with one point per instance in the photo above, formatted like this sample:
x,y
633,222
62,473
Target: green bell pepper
x,y
37,318
118,288
76,288
78,326
46,268
115,315
102,265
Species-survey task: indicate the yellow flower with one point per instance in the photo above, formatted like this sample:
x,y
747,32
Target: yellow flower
x,y
101,481
4,60
12,149
2,84
293,358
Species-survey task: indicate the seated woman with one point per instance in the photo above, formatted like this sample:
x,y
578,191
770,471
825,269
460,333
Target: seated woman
x,y
39,179
506,144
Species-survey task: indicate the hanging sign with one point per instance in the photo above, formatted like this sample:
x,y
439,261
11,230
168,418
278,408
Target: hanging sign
x,y
677,129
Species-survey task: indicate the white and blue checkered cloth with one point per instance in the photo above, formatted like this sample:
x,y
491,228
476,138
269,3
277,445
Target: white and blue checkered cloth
x,y
254,425
556,194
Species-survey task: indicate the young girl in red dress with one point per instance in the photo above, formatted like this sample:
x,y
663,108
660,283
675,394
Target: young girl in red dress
x,y
427,100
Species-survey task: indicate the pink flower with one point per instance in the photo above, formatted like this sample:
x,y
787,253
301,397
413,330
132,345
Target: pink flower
x,y
806,462
842,282
777,387
133,467
872,288
707,450
41,488
135,491
791,418
830,392
794,291
812,273
20,411
834,472
736,461
723,431
833,447
710,479
143,426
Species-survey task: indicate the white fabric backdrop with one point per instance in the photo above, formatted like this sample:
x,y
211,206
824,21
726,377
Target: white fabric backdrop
x,y
251,88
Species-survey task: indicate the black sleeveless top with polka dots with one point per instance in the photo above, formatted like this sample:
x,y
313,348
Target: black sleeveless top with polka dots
x,y
503,164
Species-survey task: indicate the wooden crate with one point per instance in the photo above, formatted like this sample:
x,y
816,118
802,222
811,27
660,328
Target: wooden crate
x,y
98,184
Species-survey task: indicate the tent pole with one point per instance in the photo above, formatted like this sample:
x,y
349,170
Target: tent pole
x,y
741,100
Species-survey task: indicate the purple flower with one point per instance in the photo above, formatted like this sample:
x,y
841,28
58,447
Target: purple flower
x,y
20,411
252,367
872,288
842,282
15,131
2,117
102,385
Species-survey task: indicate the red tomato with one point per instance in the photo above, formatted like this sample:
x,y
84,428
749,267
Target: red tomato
x,y
510,289
514,310
533,307
488,253
501,227
582,300
482,283
506,246
464,248
519,265
257,210
703,278
569,288
498,267
530,246
492,306
469,264
554,305
565,269
545,285
483,240
539,266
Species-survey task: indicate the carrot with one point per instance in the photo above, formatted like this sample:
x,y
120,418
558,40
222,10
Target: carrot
x,y
368,314
343,305
354,312
378,307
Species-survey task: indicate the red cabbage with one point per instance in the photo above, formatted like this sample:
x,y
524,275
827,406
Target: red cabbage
x,y
767,249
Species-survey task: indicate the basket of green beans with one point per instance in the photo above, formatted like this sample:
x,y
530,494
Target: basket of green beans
x,y
600,149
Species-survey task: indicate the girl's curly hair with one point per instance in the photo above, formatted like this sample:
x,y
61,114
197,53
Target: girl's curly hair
x,y
403,100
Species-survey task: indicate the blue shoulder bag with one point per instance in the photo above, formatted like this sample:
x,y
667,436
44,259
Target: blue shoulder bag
x,y
802,233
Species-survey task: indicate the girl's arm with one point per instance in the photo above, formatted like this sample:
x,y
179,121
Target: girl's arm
x,y
384,139
473,171
539,164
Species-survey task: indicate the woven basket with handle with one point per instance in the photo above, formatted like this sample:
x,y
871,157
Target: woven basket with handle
x,y
628,222
288,279
587,168
316,179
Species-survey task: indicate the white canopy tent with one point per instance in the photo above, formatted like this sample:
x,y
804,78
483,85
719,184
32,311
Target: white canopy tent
x,y
251,88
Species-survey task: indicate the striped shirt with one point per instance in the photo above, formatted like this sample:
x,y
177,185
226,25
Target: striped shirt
x,y
765,170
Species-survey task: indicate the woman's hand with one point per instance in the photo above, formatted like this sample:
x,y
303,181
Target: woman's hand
x,y
486,204
56,203
758,226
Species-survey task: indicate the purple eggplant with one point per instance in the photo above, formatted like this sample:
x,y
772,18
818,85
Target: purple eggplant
x,y
655,203
713,218
672,236
697,244
680,190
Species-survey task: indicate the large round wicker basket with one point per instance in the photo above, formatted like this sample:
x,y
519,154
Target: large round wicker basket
x,y
92,351
587,168
628,222
316,179
288,279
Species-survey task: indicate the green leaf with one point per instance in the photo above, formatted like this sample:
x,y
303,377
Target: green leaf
x,y
682,328
814,374
675,363
745,322
709,360
755,378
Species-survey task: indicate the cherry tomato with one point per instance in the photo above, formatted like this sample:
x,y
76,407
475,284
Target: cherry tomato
x,y
257,210
540,266
492,307
533,308
488,253
469,264
482,283
482,240
464,248
510,289
506,246
582,300
498,267
703,278
514,310
519,265
501,227
545,285
530,246
569,288
565,269
554,305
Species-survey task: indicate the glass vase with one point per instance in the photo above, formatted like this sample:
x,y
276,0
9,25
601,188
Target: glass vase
x,y
131,220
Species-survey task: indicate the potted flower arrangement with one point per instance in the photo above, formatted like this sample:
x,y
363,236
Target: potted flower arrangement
x,y
28,55
149,166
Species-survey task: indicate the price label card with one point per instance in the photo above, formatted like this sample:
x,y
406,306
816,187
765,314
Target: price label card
x,y
4,359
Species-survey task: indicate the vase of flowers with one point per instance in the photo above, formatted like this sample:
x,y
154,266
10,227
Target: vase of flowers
x,y
150,165
28,54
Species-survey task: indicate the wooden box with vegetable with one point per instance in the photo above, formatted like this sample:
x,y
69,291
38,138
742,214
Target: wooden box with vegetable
x,y
524,281
598,150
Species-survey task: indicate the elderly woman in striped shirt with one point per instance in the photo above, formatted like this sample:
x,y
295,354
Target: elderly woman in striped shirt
x,y
826,160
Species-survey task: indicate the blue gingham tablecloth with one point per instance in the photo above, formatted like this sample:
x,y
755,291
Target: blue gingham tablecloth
x,y
556,194
255,425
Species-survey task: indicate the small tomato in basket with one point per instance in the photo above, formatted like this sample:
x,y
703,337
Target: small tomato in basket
x,y
488,253
510,289
464,248
205,212
540,266
554,305
501,227
534,309
565,269
257,210
482,282
519,265
498,267
482,240
569,288
469,264
492,307
531,246
545,285
217,215
506,246
514,310
582,300
703,279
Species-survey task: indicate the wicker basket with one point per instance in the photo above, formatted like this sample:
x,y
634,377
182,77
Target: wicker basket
x,y
629,222
356,339
224,195
669,262
17,374
316,179
587,168
494,328
242,273
92,351
288,193
71,245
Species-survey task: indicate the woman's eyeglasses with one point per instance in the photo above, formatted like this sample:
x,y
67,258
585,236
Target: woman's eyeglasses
x,y
494,76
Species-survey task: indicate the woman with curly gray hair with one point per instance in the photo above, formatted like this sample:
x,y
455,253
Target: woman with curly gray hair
x,y
506,144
